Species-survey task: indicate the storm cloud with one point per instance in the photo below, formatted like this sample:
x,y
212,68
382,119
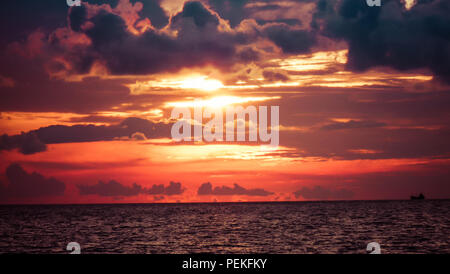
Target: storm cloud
x,y
199,42
390,35
289,40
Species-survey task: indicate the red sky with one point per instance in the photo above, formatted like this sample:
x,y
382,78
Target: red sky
x,y
87,94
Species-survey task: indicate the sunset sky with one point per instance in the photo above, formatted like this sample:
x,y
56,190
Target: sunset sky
x,y
86,95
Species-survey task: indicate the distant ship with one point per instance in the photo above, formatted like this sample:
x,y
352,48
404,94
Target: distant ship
x,y
420,197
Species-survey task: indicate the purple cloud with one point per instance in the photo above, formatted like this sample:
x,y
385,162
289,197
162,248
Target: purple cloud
x,y
207,189
29,185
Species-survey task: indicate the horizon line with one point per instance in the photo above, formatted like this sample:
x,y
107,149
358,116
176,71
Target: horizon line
x,y
225,202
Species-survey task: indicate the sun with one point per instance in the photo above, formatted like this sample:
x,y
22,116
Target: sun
x,y
201,83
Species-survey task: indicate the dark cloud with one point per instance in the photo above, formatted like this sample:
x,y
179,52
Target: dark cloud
x,y
20,17
198,42
36,140
274,76
390,35
77,17
29,185
207,189
152,10
27,143
116,189
235,11
290,40
174,188
248,55
231,10
290,22
320,193
352,124
111,188
95,119
197,13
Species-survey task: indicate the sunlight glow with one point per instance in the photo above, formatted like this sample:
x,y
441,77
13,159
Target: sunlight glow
x,y
201,83
312,62
409,4
195,82
220,101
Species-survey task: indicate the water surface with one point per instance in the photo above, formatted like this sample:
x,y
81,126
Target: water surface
x,y
294,227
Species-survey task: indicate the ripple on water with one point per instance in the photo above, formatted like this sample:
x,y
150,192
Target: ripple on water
x,y
303,227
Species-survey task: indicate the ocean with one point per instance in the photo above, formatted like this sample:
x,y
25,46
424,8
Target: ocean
x,y
278,227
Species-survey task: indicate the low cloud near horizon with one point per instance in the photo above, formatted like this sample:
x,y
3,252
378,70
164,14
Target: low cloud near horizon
x,y
116,189
29,185
207,189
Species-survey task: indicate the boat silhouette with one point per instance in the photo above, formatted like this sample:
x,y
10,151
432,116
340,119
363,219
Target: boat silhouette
x,y
420,197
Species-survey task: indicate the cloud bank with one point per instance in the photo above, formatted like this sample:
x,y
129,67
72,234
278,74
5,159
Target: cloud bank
x,y
116,189
207,189
35,141
29,185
